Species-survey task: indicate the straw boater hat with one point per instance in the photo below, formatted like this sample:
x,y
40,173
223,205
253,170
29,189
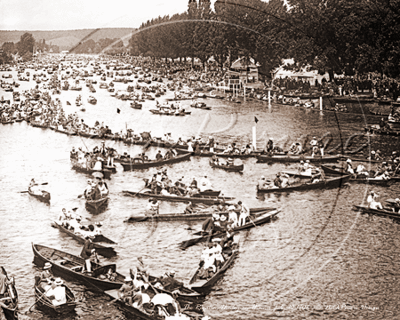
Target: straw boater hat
x,y
58,282
222,218
128,279
47,265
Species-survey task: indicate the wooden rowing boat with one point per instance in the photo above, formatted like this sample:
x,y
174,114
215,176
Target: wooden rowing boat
x,y
195,199
105,251
188,217
44,196
261,219
340,171
301,175
384,213
205,153
294,158
9,303
96,204
232,168
43,301
70,266
79,168
205,285
327,183
136,163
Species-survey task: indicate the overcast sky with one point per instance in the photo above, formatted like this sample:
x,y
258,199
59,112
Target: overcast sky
x,y
81,14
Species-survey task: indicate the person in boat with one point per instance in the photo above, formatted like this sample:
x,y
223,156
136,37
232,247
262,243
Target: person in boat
x,y
168,282
233,218
129,294
361,170
103,188
86,254
153,206
270,145
159,156
215,159
88,190
321,148
165,303
372,203
73,154
4,283
314,146
244,213
193,184
277,180
168,155
396,205
189,209
205,184
217,251
125,156
46,277
261,183
57,293
349,166
229,162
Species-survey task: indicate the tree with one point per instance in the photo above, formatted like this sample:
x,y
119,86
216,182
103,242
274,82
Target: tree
x,y
25,44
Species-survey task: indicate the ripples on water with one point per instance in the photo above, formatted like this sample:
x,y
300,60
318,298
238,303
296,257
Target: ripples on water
x,y
317,255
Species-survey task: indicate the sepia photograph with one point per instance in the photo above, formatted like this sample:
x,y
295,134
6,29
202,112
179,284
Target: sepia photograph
x,y
199,159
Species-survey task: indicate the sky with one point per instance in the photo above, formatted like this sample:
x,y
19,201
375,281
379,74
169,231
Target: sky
x,y
81,14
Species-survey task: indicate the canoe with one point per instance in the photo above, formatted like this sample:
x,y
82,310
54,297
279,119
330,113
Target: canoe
x,y
156,111
384,213
233,168
205,285
44,197
355,159
300,175
340,171
96,204
43,301
187,217
140,164
196,199
263,218
354,99
10,306
294,158
327,183
79,168
66,265
107,252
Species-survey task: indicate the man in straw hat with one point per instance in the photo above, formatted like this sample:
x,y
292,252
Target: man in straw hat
x,y
57,292
372,203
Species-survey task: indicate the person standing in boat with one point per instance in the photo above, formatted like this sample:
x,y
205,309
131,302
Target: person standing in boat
x,y
86,253
244,213
314,146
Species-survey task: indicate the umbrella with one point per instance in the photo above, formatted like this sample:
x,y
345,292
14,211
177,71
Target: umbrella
x,y
97,174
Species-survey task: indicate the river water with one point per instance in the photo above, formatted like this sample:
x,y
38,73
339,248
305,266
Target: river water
x,y
319,259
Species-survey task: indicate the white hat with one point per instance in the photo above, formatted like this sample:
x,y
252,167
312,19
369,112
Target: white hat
x,y
128,279
222,218
58,282
216,240
397,200
301,161
231,208
47,265
348,160
171,272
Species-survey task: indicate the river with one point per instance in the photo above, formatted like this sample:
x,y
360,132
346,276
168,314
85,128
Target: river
x,y
319,259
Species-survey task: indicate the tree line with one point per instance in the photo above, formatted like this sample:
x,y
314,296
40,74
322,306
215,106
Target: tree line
x,y
334,36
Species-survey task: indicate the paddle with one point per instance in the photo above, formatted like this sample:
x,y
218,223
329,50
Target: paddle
x,y
42,184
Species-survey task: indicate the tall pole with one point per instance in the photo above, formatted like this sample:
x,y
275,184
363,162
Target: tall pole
x,y
255,137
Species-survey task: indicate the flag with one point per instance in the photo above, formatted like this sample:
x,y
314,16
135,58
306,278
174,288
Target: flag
x,y
255,119
118,111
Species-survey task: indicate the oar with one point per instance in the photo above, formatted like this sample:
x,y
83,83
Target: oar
x,y
42,184
37,300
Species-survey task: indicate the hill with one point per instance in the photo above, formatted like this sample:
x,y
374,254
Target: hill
x,y
66,39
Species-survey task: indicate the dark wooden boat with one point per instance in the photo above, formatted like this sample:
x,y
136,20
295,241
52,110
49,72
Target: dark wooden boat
x,y
384,213
233,168
261,219
356,159
69,266
340,171
205,285
77,167
136,105
140,164
96,204
105,251
327,183
294,158
300,175
205,153
158,112
255,212
9,303
43,301
44,197
196,199
354,99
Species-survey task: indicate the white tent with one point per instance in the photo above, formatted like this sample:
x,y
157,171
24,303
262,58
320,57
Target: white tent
x,y
307,75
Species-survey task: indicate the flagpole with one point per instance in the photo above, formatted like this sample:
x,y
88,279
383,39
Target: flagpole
x,y
255,134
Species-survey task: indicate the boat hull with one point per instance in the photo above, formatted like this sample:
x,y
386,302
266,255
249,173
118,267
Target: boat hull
x,y
131,165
